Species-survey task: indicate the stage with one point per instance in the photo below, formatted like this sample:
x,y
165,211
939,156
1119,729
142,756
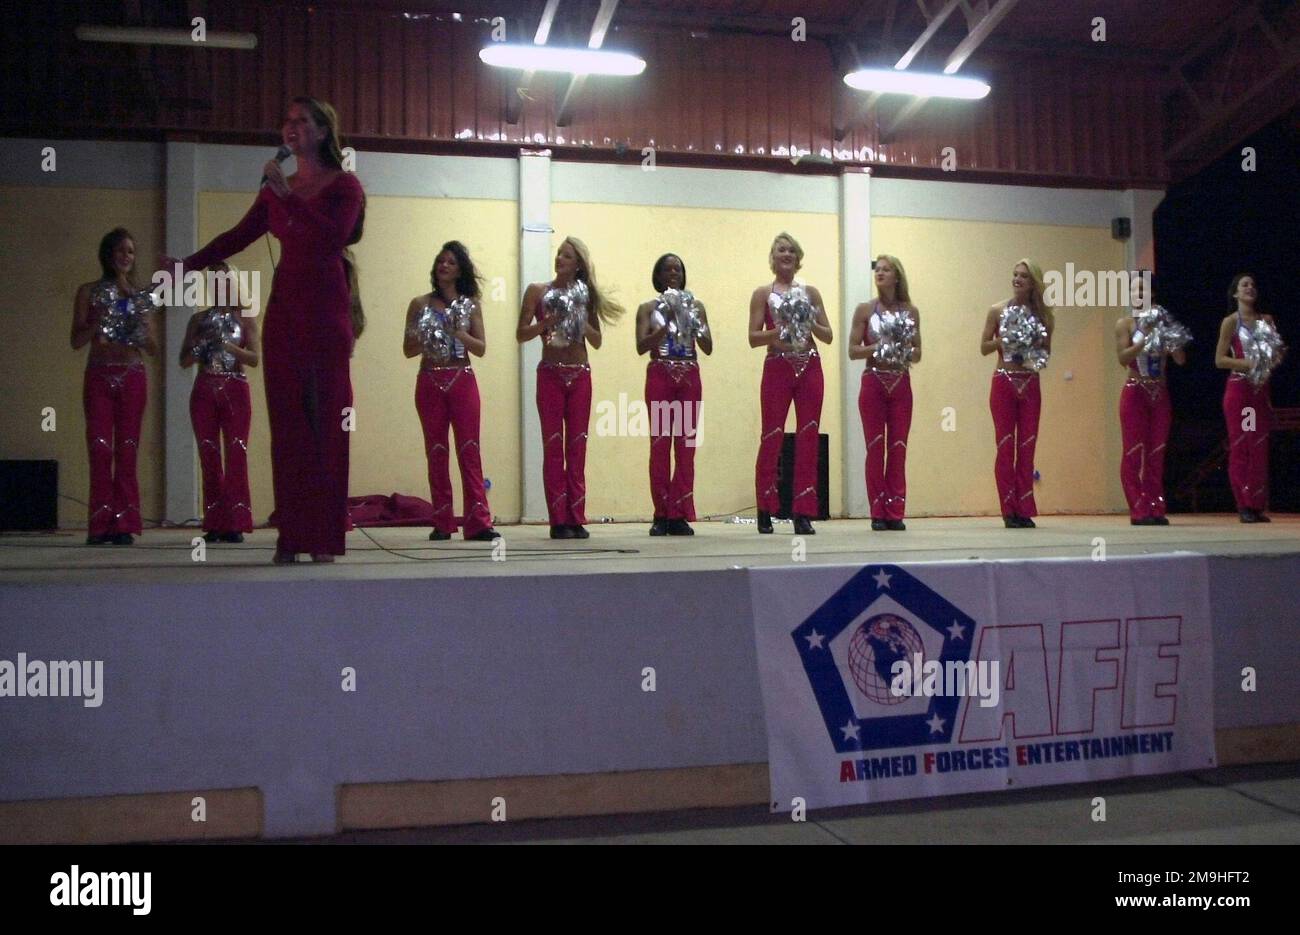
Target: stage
x,y
415,683
165,555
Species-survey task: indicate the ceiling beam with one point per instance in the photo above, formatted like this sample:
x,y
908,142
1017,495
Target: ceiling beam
x,y
515,101
604,17
981,31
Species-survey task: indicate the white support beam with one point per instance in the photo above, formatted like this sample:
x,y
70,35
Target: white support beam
x,y
856,285
534,266
181,234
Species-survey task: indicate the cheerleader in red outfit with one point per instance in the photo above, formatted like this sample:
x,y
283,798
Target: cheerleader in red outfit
x,y
885,400
564,384
312,321
1247,409
1015,399
1144,416
222,341
446,392
672,379
113,393
790,374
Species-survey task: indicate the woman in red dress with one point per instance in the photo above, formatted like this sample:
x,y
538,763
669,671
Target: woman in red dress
x,y
312,320
885,397
114,393
446,392
672,378
222,340
792,373
1247,408
564,384
1015,398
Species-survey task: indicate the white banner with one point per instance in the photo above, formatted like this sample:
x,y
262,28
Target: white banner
x,y
895,682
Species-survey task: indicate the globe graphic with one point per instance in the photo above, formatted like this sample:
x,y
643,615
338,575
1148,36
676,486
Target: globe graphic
x,y
876,645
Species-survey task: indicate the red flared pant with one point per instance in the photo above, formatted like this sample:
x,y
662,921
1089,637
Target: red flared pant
x,y
673,394
564,406
787,380
1249,416
1144,418
885,404
1015,401
114,396
448,398
221,411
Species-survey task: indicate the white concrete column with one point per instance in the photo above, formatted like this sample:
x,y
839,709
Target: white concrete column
x,y
856,284
180,459
534,266
1139,204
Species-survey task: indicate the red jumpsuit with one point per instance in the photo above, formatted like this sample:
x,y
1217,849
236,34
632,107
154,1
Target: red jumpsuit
x,y
789,377
221,411
564,408
885,404
307,343
114,396
447,396
673,394
1144,417
1015,400
1248,413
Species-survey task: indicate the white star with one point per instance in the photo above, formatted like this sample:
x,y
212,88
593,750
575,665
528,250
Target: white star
x,y
815,640
936,724
850,731
882,579
957,631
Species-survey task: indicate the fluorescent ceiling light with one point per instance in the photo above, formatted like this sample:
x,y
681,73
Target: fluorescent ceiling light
x,y
551,58
136,36
891,81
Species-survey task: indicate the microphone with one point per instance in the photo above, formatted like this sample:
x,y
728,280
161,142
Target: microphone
x,y
281,154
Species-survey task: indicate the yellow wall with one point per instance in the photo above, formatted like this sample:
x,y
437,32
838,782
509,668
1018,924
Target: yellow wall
x,y
725,253
956,270
48,247
402,237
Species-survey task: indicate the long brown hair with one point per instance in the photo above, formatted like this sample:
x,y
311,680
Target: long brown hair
x,y
331,154
107,245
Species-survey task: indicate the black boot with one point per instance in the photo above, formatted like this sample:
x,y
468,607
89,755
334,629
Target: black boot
x,y
764,522
561,532
803,526
484,535
439,536
1248,516
659,527
235,537
679,527
878,525
896,525
579,532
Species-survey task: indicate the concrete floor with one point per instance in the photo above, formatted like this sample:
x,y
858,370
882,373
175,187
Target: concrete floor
x,y
1230,805
166,554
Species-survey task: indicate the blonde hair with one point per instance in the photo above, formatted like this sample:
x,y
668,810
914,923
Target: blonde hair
x,y
771,254
1036,293
900,291
606,309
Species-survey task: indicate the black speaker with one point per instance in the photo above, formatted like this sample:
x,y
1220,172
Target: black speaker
x,y
1121,228
29,495
785,477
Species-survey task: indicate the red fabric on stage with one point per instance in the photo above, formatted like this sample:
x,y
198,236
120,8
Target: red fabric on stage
x,y
1144,417
307,342
1248,450
114,396
449,397
221,411
564,407
885,403
784,382
1015,400
668,383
